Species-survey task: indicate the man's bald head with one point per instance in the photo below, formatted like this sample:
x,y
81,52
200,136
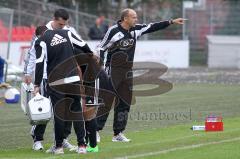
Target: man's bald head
x,y
126,12
129,16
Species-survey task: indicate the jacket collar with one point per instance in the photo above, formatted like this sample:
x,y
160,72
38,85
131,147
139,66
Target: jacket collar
x,y
121,28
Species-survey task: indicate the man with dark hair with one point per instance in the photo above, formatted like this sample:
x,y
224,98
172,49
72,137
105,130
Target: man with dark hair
x,y
120,42
53,48
40,31
61,13
60,21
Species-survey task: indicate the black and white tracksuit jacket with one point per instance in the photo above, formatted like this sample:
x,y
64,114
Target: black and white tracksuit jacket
x,y
120,47
56,46
117,39
29,66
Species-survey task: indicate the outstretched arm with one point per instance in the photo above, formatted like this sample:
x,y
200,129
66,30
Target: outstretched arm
x,y
179,21
141,29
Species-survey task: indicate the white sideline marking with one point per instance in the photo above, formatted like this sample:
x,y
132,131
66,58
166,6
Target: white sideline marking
x,y
158,152
178,148
169,140
162,151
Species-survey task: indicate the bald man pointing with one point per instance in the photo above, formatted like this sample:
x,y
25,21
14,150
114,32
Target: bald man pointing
x,y
120,43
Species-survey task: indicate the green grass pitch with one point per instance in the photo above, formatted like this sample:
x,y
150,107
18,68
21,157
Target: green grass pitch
x,y
159,127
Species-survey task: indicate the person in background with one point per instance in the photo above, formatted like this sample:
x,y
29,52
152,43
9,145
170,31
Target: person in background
x,y
98,30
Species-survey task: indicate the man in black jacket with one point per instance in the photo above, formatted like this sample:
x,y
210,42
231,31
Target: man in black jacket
x,y
59,21
55,54
120,43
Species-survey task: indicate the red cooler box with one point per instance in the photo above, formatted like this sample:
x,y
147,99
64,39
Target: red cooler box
x,y
213,123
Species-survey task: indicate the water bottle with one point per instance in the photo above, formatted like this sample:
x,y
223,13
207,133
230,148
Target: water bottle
x,y
198,127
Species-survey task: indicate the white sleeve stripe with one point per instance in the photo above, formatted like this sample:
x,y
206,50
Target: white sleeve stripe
x,y
29,65
70,37
73,31
44,52
139,32
106,36
79,42
30,52
115,37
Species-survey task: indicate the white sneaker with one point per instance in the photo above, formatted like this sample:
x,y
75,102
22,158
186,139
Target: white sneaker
x,y
51,149
69,146
120,138
37,146
98,136
56,151
81,150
